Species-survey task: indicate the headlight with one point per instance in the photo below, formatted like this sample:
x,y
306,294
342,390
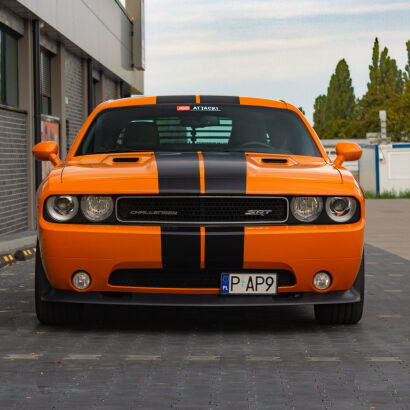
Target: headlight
x,y
306,208
340,208
96,208
62,208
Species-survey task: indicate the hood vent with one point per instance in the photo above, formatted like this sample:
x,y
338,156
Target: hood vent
x,y
275,160
125,159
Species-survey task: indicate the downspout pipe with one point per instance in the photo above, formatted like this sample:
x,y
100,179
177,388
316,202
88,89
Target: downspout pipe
x,y
37,96
90,85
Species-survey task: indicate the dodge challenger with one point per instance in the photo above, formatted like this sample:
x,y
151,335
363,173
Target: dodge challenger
x,y
199,200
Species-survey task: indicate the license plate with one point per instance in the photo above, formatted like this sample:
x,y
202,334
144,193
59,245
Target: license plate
x,y
248,283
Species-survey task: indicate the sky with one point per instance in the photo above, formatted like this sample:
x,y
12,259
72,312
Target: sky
x,y
271,49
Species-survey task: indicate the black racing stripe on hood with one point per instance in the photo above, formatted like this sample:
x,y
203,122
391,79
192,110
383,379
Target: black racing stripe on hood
x,y
225,173
224,247
176,99
178,173
181,247
218,99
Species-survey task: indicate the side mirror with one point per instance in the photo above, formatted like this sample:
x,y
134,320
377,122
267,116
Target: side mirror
x,y
347,151
47,151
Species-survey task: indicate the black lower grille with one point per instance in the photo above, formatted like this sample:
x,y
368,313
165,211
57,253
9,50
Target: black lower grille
x,y
202,209
177,278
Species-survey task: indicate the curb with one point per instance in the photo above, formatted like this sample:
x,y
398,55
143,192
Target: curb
x,y
19,255
7,259
25,254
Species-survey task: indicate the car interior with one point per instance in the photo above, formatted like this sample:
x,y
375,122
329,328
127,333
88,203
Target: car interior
x,y
235,130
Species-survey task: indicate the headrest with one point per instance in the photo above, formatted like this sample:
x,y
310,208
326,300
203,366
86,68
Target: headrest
x,y
244,131
140,136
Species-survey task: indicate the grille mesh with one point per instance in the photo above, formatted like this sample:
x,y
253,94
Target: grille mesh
x,y
205,209
183,278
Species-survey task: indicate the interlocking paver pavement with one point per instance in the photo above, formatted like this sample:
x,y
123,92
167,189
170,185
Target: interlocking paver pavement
x,y
195,358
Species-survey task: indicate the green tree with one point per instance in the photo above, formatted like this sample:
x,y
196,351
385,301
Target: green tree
x,y
407,69
384,73
319,114
336,115
402,108
333,111
384,92
340,94
374,69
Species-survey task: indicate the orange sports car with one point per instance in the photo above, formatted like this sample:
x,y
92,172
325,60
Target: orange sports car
x,y
199,200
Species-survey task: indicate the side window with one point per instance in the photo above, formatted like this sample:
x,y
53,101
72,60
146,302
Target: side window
x,y
8,69
45,82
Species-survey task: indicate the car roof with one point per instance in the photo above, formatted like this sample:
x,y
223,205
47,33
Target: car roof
x,y
194,99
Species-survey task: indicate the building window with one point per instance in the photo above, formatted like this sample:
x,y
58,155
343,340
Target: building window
x,y
95,85
45,82
8,69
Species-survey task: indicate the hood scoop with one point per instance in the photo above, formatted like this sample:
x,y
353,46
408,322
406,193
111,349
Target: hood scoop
x,y
275,160
125,159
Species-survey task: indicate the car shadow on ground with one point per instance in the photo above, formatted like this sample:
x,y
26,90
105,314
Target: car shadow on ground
x,y
200,319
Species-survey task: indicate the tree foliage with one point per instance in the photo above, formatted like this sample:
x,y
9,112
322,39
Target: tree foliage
x,y
384,74
319,115
407,69
340,94
333,110
338,115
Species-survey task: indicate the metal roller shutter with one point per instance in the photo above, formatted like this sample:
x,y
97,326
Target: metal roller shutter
x,y
13,172
75,96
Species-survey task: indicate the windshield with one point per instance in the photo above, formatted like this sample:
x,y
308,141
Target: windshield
x,y
183,128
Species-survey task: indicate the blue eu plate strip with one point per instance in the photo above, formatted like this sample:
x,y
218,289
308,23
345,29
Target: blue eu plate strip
x,y
225,283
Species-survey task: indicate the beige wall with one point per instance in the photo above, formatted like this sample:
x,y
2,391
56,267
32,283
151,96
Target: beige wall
x,y
86,24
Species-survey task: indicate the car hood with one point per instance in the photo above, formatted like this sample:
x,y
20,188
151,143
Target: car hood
x,y
223,173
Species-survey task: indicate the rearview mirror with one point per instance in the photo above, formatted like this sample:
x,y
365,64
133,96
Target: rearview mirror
x,y
47,151
200,121
347,151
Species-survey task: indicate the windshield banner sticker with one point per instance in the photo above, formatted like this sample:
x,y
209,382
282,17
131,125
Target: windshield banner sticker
x,y
205,108
198,108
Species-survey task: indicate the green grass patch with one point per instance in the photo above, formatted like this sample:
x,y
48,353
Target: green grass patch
x,y
388,195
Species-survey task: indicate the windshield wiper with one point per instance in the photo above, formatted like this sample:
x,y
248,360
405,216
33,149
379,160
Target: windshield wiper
x,y
119,151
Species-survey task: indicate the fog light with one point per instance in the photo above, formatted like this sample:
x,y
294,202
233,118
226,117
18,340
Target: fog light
x,y
81,280
322,280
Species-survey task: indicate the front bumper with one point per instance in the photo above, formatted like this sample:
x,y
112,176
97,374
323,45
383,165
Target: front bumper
x,y
140,299
101,249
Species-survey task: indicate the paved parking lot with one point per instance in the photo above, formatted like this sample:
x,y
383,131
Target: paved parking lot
x,y
209,358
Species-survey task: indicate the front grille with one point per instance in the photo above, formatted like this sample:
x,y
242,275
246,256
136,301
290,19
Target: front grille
x,y
202,209
184,278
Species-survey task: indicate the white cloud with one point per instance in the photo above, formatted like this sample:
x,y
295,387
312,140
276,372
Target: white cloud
x,y
187,11
282,50
202,46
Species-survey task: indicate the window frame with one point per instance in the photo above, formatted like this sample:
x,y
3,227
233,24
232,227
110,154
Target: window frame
x,y
81,142
3,75
44,53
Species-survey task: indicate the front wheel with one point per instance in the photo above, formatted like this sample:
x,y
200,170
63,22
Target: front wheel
x,y
52,313
343,313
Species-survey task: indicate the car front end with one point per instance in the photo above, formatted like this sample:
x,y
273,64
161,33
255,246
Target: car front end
x,y
200,223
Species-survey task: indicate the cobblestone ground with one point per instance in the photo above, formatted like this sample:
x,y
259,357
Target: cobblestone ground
x,y
209,358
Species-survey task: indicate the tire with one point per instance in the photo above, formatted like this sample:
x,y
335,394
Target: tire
x,y
53,313
343,313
